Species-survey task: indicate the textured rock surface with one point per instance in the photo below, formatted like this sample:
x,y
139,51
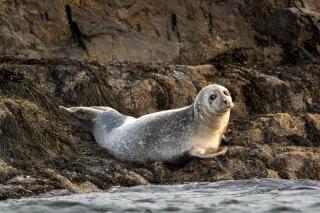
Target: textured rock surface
x,y
269,136
59,52
189,32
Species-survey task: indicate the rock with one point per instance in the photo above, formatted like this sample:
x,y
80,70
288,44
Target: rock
x,y
290,164
268,137
312,5
283,124
28,124
282,127
298,103
23,185
272,174
199,75
7,172
145,56
246,138
156,31
313,124
267,94
288,25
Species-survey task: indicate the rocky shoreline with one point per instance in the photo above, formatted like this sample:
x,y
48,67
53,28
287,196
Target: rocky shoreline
x,y
273,133
140,57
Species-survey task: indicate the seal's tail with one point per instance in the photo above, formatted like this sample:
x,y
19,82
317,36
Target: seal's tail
x,y
65,110
84,115
81,113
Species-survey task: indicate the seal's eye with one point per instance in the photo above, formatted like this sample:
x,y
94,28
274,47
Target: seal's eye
x,y
213,97
226,93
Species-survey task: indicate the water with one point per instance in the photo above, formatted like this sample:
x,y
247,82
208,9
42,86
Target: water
x,y
224,196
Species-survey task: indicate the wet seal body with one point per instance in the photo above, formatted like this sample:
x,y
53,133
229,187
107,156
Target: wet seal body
x,y
195,130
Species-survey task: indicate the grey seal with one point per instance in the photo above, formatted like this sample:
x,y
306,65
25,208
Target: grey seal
x,y
195,130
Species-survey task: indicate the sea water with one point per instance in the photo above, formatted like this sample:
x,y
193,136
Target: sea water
x,y
225,196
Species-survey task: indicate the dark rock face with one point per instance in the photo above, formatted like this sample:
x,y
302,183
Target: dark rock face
x,y
76,52
187,32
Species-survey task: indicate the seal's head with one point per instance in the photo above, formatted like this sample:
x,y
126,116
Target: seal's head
x,y
213,99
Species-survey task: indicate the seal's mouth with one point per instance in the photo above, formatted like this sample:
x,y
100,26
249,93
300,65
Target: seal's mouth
x,y
224,108
227,105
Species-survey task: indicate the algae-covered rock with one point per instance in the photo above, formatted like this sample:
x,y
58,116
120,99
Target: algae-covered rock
x,y
141,57
313,125
43,150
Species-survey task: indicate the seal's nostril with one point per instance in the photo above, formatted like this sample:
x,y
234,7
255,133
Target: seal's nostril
x,y
225,102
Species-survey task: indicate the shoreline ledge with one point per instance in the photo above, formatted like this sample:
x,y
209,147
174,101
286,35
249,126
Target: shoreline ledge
x,y
273,132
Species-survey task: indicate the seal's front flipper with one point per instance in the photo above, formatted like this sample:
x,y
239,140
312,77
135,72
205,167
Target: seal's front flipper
x,y
85,115
201,153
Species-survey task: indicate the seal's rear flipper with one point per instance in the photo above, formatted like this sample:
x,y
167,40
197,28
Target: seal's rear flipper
x,y
84,114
